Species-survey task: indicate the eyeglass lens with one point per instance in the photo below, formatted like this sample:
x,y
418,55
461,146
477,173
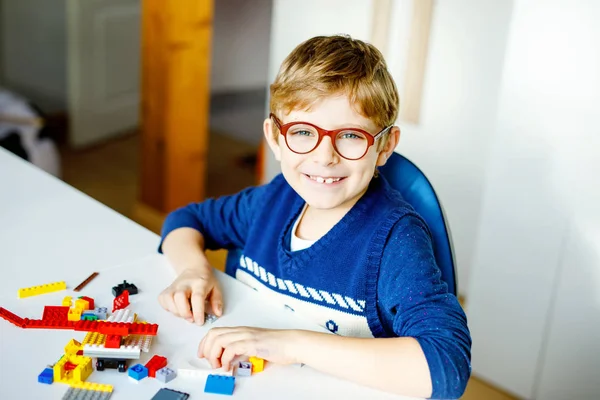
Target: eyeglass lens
x,y
303,138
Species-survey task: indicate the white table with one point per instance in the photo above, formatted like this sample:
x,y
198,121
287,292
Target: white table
x,y
51,232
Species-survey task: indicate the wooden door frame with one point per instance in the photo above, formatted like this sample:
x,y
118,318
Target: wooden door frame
x,y
175,106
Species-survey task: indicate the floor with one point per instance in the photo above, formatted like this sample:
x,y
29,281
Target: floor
x,y
109,173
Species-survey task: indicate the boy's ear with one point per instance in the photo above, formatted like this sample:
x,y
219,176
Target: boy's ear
x,y
390,146
270,137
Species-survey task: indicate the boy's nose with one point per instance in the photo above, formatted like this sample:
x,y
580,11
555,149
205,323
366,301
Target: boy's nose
x,y
325,153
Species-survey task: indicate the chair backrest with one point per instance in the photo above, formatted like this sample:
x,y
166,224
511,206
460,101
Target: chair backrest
x,y
411,182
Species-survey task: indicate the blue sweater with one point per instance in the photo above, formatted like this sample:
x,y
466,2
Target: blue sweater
x,y
375,265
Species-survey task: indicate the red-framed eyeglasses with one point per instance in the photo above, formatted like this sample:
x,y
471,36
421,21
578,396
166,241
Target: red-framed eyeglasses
x,y
349,143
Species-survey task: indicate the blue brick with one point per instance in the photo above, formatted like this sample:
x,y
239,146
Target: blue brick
x,y
219,384
47,376
138,372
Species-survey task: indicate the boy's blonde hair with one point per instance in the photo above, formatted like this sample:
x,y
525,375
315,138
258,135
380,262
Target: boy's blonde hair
x,y
337,65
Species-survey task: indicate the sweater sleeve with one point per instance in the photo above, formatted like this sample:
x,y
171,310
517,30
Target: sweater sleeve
x,y
413,301
224,222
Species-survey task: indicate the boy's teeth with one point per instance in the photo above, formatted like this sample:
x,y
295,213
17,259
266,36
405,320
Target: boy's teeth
x,y
320,179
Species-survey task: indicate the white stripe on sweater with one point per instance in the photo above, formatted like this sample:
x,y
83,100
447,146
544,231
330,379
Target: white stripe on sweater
x,y
340,322
321,296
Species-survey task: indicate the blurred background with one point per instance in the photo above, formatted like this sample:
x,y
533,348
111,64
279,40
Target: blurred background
x,y
147,105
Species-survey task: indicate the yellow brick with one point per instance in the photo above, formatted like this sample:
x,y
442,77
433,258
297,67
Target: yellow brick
x,y
74,314
42,289
73,347
79,374
67,301
94,338
258,364
82,304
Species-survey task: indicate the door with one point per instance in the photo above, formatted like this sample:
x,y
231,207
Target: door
x,y
103,68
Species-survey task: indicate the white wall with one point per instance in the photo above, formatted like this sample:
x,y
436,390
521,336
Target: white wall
x,y
240,49
533,302
34,50
462,79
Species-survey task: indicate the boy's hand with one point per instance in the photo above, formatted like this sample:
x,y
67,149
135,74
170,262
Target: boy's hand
x,y
192,288
221,345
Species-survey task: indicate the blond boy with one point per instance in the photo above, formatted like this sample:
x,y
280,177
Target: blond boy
x,y
328,238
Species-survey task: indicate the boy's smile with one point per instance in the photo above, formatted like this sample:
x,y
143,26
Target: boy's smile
x,y
324,179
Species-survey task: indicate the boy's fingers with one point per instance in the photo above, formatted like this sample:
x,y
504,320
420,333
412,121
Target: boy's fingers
x,y
201,348
197,302
182,304
216,301
168,304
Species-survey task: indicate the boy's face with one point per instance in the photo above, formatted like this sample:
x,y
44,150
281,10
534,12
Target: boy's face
x,y
311,174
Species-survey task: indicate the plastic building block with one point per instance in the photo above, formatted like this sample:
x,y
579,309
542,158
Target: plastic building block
x,y
78,374
141,341
101,312
244,368
84,283
138,372
170,394
12,318
210,318
114,328
121,301
41,289
258,364
94,338
88,390
47,376
107,328
123,352
89,300
51,324
74,314
113,342
73,347
67,301
165,375
88,316
143,329
219,384
130,287
82,304
124,315
119,363
194,367
155,363
59,313
69,367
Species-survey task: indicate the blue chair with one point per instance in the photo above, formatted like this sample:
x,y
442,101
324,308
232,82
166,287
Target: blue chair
x,y
411,182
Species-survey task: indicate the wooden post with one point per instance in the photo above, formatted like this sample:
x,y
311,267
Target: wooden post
x,y
176,53
414,77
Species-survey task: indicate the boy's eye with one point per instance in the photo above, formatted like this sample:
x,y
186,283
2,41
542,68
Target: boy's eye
x,y
302,132
351,135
